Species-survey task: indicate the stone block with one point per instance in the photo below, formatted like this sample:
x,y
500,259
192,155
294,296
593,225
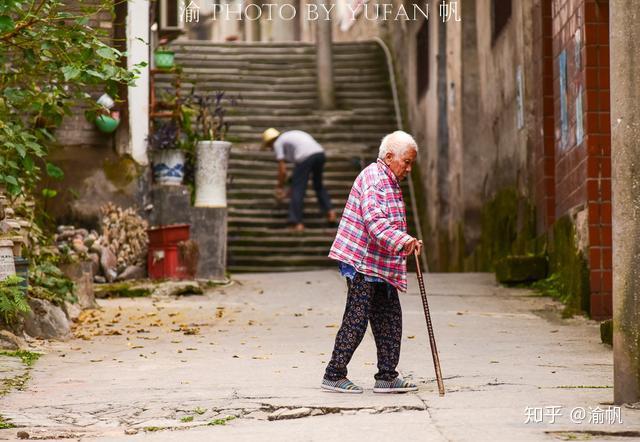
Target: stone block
x,y
517,269
606,332
46,320
81,273
172,205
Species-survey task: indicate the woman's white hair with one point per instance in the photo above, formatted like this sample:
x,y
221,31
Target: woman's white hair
x,y
397,142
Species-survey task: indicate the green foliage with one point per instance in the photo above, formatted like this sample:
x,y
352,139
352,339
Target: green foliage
x,y
28,357
152,429
46,281
13,301
186,419
49,57
221,421
570,266
4,424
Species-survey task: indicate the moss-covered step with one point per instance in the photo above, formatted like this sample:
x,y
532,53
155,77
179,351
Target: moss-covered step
x,y
134,289
518,269
606,332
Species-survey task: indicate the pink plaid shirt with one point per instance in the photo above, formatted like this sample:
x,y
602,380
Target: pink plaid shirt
x,y
373,229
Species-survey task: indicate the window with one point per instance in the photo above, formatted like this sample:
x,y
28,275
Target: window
x,y
422,59
500,14
170,15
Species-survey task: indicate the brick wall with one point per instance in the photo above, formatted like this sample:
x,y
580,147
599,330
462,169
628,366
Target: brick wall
x,y
598,140
582,140
545,176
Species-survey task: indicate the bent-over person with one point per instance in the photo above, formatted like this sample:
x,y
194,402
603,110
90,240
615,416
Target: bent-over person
x,y
308,158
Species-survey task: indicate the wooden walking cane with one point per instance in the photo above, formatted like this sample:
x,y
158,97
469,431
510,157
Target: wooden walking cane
x,y
427,315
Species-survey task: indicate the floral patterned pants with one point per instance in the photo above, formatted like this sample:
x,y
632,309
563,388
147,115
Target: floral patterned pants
x,y
378,303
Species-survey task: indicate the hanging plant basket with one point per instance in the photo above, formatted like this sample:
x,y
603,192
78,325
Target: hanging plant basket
x,y
164,59
106,123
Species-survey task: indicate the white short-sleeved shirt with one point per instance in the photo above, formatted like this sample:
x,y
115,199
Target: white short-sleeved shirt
x,y
295,146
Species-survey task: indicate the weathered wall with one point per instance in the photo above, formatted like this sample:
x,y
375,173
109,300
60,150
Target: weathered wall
x,y
94,172
465,123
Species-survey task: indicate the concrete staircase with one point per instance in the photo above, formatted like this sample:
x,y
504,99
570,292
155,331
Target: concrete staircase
x,y
277,86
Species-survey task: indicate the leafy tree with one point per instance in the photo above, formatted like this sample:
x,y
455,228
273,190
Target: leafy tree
x,y
49,58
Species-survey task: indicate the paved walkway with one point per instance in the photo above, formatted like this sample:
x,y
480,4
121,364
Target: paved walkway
x,y
164,368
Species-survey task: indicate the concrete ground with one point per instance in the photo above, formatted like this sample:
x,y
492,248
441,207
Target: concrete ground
x,y
245,362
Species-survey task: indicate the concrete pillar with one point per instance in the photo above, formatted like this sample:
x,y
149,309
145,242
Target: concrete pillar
x,y
324,58
138,51
625,152
252,21
283,16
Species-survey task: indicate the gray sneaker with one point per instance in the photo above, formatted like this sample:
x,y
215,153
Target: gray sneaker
x,y
398,385
341,386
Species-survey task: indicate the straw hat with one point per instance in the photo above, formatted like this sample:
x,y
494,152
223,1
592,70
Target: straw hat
x,y
269,135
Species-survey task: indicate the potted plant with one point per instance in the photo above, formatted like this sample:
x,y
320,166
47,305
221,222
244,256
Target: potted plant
x,y
163,56
168,157
211,149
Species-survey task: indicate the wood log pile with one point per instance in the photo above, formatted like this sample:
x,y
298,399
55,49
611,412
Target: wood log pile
x,y
125,233
119,252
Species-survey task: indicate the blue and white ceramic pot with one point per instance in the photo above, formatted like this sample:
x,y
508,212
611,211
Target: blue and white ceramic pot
x,y
168,166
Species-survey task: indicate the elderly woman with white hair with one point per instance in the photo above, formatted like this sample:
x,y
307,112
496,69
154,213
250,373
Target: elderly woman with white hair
x,y
371,247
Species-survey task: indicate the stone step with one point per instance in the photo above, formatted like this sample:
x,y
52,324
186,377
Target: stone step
x,y
282,260
270,232
213,61
370,139
316,130
197,74
240,93
271,174
381,112
275,212
296,120
274,222
257,183
285,45
269,201
337,194
246,86
285,239
278,268
252,251
257,58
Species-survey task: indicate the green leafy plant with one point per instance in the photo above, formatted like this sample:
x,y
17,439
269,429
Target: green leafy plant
x,y
46,281
28,357
186,419
222,421
50,57
13,301
4,423
209,111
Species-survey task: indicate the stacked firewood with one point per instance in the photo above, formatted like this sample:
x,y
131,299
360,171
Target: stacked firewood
x,y
125,233
118,253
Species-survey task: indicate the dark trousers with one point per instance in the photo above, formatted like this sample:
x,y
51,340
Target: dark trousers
x,y
314,165
378,303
